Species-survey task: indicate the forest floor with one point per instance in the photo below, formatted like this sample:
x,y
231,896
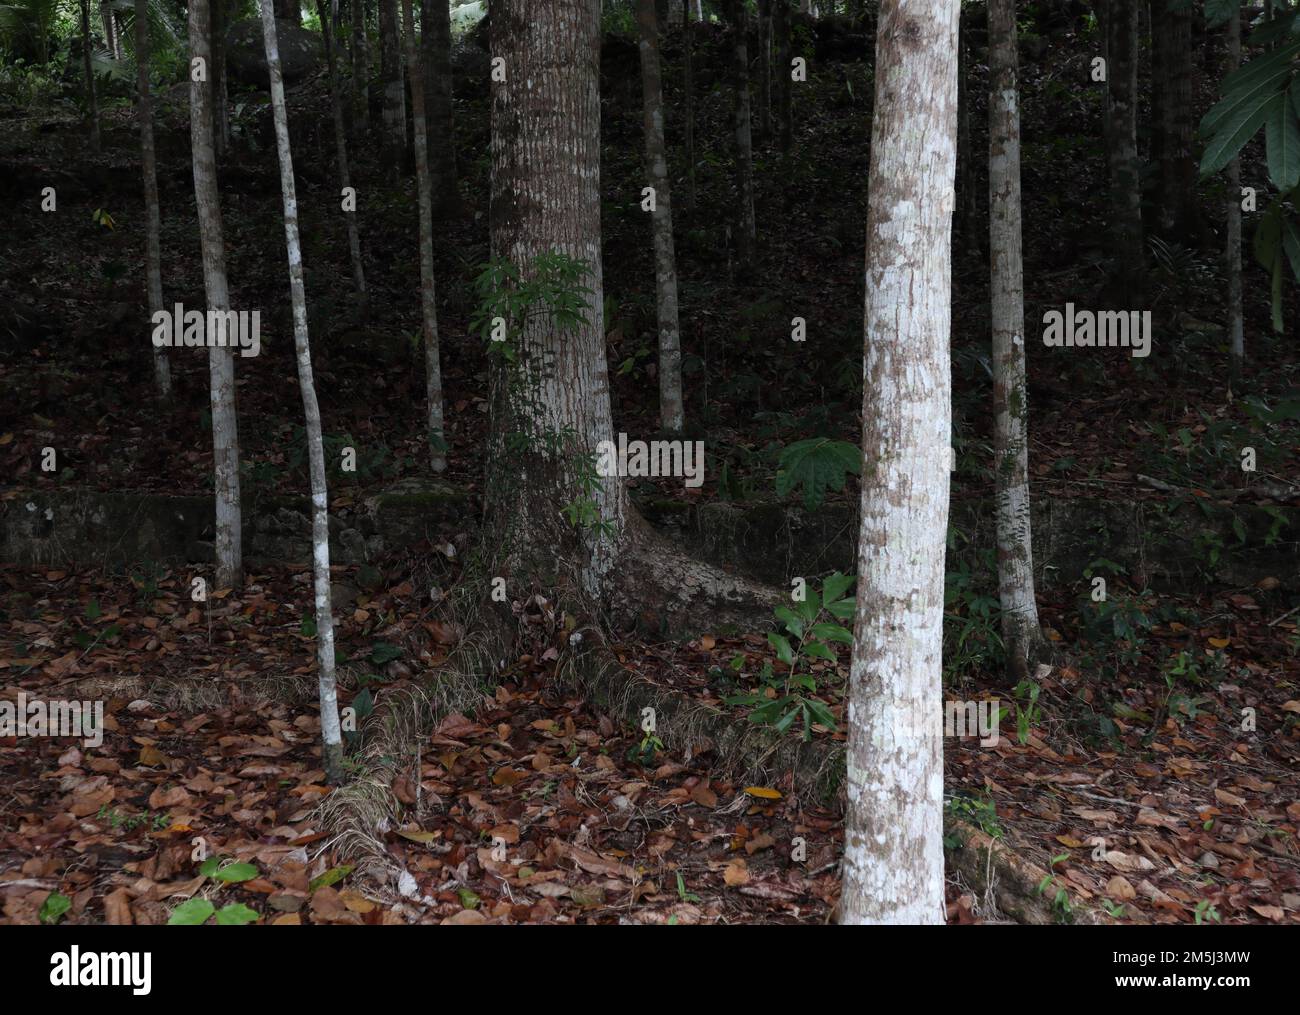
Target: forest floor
x,y
1137,737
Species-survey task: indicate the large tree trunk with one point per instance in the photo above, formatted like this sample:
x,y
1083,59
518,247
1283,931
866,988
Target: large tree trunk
x,y
1021,633
670,344
331,733
551,409
221,360
92,104
341,151
745,227
390,71
162,373
893,852
688,86
1171,31
435,36
360,68
428,303
1236,323
1125,176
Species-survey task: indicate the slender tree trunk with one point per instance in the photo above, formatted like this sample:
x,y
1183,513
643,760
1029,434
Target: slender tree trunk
x,y
746,229
893,835
331,733
1021,633
220,85
110,29
784,56
1125,176
347,200
221,359
360,68
670,344
435,29
546,200
688,86
87,69
390,70
1177,202
965,156
765,69
1236,322
162,373
428,302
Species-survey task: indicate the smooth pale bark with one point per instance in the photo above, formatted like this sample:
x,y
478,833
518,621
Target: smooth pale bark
x,y
1125,176
360,68
671,415
546,199
688,86
428,301
221,361
784,55
92,104
893,836
440,132
1236,321
1021,633
162,373
341,155
390,71
331,732
745,227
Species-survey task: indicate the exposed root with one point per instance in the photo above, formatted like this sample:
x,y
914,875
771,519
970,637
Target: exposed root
x,y
755,754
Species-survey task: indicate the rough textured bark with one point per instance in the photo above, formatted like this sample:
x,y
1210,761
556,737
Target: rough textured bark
x,y
221,361
1125,176
435,38
893,852
670,344
390,71
341,155
360,68
428,302
1021,633
546,199
162,373
1236,324
784,54
1171,27
87,69
110,29
688,87
745,227
331,733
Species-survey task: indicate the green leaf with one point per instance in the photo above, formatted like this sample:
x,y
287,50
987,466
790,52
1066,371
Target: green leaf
x,y
236,915
236,872
790,620
787,720
833,632
843,610
53,908
468,899
209,866
383,652
818,650
782,645
330,877
1282,144
93,612
191,913
1236,130
1256,79
821,714
817,465
835,586
1291,244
